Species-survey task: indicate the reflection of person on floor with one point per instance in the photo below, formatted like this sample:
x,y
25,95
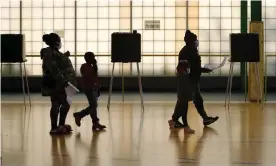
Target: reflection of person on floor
x,y
59,149
57,72
93,148
91,85
183,147
189,71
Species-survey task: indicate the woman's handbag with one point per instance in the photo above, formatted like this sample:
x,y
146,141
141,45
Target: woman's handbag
x,y
48,84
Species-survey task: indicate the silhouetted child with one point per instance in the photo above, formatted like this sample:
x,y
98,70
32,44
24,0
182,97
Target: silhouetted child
x,y
91,85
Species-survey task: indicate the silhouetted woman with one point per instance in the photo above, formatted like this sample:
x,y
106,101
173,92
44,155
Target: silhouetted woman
x,y
189,71
57,72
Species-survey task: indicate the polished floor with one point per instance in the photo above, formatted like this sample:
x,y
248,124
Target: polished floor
x,y
244,136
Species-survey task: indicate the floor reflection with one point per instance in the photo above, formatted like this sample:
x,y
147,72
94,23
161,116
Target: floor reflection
x,y
244,135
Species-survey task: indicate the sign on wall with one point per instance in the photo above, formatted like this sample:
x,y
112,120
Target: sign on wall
x,y
152,24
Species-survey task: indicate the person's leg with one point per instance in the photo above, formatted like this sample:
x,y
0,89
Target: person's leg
x,y
180,105
93,114
64,109
92,96
93,107
187,128
185,113
55,105
198,102
179,110
79,115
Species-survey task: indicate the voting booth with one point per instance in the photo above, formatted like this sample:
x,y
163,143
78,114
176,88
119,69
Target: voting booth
x,y
244,47
125,48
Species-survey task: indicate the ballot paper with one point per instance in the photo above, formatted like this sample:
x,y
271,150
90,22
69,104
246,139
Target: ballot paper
x,y
211,67
70,90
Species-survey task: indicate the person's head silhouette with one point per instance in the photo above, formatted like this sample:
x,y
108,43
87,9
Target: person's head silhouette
x,y
52,40
191,39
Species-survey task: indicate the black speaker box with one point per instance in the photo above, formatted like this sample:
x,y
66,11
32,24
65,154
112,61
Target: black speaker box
x,y
245,47
125,47
12,48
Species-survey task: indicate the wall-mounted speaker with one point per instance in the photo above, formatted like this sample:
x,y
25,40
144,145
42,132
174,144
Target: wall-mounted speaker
x,y
125,47
245,47
13,48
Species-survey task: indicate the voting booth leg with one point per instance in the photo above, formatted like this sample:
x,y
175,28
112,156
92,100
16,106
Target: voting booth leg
x,y
227,88
110,87
27,83
140,86
265,84
231,81
245,78
1,69
230,84
123,83
23,84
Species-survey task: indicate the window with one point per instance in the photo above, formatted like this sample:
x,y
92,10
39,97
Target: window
x,y
14,12
169,35
103,48
103,24
215,35
59,12
69,46
147,47
204,23
204,35
81,36
59,24
26,12
170,48
212,21
69,12
159,35
48,24
48,13
170,23
92,46
159,47
114,12
225,24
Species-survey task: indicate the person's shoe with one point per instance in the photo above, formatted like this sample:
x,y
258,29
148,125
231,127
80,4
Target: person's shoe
x,y
97,126
210,120
77,119
175,124
56,131
67,129
188,130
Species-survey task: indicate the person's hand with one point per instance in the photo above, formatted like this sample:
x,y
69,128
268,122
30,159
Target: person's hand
x,y
67,53
208,70
66,83
97,84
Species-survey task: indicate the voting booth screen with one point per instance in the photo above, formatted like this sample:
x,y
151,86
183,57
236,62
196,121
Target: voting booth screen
x,y
125,47
12,48
245,47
